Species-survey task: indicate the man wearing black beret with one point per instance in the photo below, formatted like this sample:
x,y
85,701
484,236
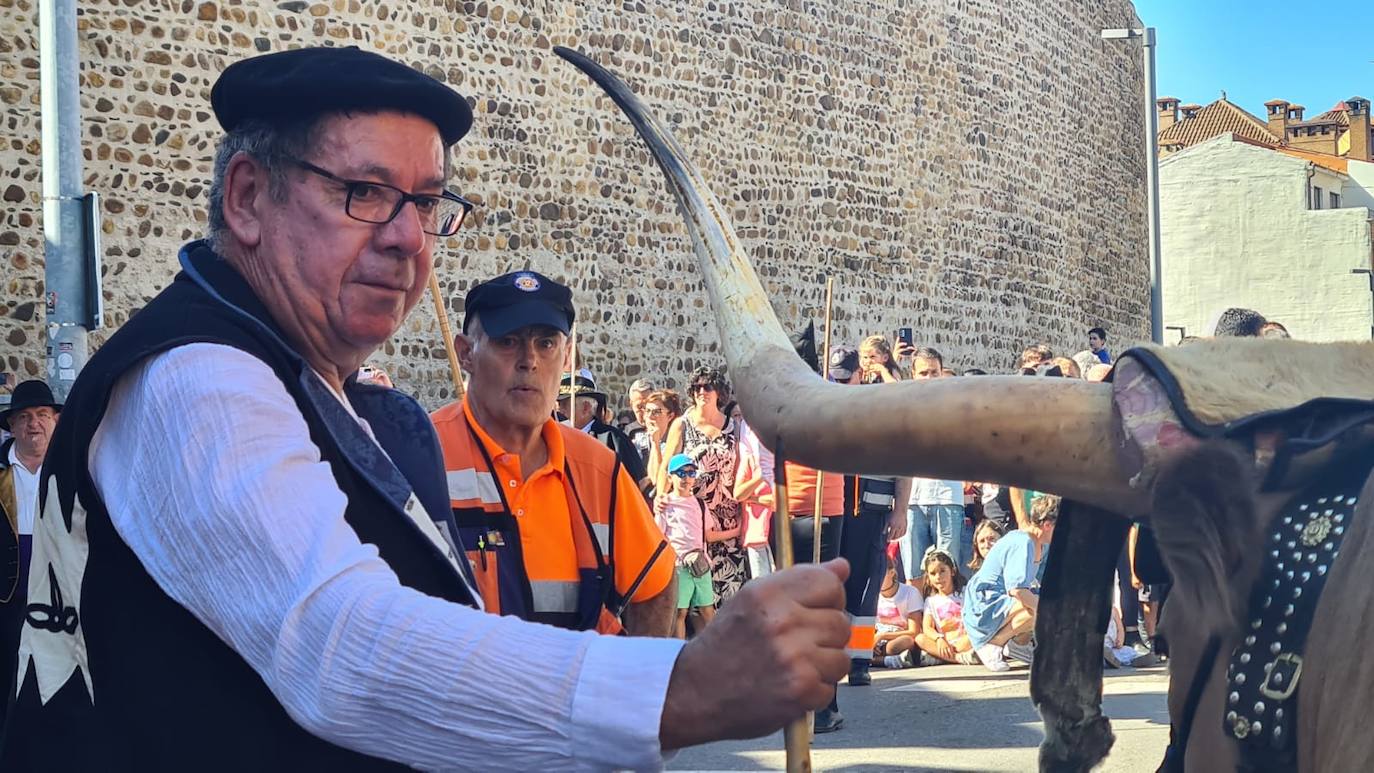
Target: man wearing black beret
x,y
245,560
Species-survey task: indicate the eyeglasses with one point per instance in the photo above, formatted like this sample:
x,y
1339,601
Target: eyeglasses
x,y
441,214
686,473
654,411
695,388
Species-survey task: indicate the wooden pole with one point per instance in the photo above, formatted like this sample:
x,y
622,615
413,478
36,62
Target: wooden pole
x,y
447,334
572,376
797,735
820,476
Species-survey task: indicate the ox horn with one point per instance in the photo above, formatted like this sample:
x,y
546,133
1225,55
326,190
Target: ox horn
x,y
1047,434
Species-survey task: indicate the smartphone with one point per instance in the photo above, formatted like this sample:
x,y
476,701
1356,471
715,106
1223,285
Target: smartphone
x,y
904,335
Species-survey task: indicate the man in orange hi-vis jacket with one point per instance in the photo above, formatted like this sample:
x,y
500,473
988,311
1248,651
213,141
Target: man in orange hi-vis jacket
x,y
555,528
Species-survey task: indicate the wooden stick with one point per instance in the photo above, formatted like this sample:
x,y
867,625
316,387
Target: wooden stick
x,y
572,375
820,476
797,735
447,334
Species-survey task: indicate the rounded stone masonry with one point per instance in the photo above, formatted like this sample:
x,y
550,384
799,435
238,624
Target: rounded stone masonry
x,y
974,172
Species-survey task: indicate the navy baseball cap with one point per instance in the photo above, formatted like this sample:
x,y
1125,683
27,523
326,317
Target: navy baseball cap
x,y
302,83
844,360
520,299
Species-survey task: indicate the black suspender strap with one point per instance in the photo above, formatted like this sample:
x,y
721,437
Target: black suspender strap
x,y
509,520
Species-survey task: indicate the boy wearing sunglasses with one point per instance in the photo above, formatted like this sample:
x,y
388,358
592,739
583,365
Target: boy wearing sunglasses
x,y
682,517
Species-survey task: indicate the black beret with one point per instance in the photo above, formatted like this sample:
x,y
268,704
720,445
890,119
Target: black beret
x,y
305,82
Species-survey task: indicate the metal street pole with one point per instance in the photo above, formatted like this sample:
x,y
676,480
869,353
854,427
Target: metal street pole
x,y
70,276
1147,36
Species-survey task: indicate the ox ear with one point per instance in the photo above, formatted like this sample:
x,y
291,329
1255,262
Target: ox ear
x,y
1209,532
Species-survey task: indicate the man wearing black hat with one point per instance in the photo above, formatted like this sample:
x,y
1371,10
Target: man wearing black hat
x,y
556,526
245,560
584,404
30,418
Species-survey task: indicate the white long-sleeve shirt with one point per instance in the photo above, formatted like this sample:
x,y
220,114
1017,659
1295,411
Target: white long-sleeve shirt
x,y
209,475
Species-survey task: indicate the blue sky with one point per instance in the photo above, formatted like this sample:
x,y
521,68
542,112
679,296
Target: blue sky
x,y
1262,50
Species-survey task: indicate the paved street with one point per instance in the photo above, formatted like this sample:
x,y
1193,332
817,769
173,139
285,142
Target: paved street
x,y
955,718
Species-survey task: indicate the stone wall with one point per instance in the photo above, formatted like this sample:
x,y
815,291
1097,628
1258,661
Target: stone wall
x,y
970,168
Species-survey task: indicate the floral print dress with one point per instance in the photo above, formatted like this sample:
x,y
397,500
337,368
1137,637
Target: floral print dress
x,y
715,459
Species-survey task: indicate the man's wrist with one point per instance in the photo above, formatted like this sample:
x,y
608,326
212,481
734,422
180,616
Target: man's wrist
x,y
686,710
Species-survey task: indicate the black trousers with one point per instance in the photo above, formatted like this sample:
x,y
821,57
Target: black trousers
x,y
862,544
803,532
803,541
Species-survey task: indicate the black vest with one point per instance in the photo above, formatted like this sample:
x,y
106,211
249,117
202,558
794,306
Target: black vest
x,y
169,694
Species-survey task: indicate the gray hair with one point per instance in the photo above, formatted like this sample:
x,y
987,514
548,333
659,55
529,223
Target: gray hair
x,y
275,147
271,146
642,385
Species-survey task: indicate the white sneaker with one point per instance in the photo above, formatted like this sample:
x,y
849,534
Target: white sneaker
x,y
895,661
966,658
991,655
1022,652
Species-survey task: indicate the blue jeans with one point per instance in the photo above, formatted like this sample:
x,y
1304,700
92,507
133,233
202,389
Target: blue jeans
x,y
938,525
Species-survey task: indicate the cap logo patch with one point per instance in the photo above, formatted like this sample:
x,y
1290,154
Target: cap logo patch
x,y
527,282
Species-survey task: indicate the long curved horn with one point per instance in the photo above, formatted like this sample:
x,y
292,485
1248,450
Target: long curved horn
x,y
1051,434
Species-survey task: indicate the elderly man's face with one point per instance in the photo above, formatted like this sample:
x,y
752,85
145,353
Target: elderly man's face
x,y
513,378
343,285
582,416
32,429
638,398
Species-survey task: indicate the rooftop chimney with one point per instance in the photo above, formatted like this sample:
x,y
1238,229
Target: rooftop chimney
x,y
1278,118
1189,110
1358,110
1295,112
1168,111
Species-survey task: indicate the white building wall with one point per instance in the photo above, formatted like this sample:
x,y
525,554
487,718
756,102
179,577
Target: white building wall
x,y
1237,231
1359,188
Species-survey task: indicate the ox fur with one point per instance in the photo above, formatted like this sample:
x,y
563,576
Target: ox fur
x,y
1262,375
1066,677
1210,529
1210,534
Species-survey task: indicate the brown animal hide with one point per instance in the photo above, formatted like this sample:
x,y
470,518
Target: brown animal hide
x,y
1075,601
1210,538
1210,535
1337,686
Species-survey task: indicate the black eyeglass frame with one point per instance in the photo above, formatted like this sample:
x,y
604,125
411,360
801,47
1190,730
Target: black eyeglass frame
x,y
351,187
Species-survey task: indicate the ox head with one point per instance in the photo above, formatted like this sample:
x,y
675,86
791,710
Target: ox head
x,y
1176,416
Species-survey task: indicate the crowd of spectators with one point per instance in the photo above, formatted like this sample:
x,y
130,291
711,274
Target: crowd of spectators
x,y
961,579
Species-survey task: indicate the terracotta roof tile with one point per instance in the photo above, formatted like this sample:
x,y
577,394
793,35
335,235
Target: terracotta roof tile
x,y
1220,117
1324,160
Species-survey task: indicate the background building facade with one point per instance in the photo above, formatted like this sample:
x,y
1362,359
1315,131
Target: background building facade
x,y
974,170
1277,230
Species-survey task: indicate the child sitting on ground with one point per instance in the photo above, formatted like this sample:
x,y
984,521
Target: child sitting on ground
x,y
984,537
942,635
1114,650
898,622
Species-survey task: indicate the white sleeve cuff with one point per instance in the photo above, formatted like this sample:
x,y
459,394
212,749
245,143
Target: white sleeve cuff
x,y
618,703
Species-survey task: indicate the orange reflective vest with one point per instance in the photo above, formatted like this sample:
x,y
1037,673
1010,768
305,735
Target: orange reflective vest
x,y
491,533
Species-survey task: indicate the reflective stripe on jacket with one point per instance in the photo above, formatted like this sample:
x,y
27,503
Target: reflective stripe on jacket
x,y
492,534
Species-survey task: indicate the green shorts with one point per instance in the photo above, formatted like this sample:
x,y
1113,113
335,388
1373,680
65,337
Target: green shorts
x,y
694,591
